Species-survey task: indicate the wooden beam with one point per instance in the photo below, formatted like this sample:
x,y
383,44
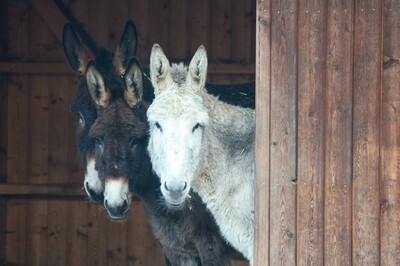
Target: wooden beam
x,y
64,190
63,68
51,15
35,68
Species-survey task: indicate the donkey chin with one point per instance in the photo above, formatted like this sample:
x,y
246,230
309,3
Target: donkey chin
x,y
175,196
117,198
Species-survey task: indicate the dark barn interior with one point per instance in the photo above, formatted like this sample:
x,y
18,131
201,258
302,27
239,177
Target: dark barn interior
x,y
45,217
327,73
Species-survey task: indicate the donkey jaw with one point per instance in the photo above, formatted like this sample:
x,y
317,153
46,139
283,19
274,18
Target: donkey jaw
x,y
175,200
92,183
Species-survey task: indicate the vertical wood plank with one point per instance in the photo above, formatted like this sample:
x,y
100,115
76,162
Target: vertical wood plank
x,y
310,137
390,137
116,242
17,133
199,25
366,124
221,31
242,38
262,147
283,133
179,30
242,24
338,133
220,50
77,233
36,221
96,235
36,246
159,24
58,152
3,127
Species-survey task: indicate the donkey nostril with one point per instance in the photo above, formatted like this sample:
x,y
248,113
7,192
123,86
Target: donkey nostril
x,y
106,204
125,205
184,186
165,185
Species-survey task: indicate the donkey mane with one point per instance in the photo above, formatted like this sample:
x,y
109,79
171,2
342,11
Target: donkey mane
x,y
179,73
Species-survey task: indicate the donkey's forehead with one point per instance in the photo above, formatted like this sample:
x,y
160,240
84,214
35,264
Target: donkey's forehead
x,y
118,119
174,103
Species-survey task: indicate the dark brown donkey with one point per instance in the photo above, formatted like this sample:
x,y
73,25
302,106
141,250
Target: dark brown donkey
x,y
189,236
121,134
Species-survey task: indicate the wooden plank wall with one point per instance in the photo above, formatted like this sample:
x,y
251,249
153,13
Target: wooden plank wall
x,y
328,133
3,128
37,131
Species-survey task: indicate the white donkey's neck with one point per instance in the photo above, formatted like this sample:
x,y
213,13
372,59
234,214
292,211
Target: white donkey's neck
x,y
233,125
225,181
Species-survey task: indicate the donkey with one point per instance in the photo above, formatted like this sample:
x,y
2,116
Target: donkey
x,y
238,94
121,131
188,237
198,142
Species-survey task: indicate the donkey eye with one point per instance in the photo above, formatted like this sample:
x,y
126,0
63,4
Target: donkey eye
x,y
100,145
133,142
196,127
158,126
81,120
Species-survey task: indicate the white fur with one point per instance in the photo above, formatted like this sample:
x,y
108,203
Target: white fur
x,y
217,159
116,191
92,180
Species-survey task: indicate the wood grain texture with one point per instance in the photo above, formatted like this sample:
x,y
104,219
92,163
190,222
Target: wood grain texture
x,y
199,25
179,29
283,133
159,24
262,147
366,132
3,128
390,137
58,166
36,222
338,133
310,133
97,235
17,134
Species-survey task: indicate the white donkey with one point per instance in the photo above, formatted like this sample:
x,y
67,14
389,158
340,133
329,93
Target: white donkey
x,y
199,142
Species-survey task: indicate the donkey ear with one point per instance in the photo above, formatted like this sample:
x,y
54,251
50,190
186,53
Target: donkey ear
x,y
198,70
134,83
96,86
159,69
126,49
74,51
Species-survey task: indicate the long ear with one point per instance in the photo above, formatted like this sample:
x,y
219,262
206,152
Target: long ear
x,y
159,69
134,83
198,70
96,86
126,49
74,51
